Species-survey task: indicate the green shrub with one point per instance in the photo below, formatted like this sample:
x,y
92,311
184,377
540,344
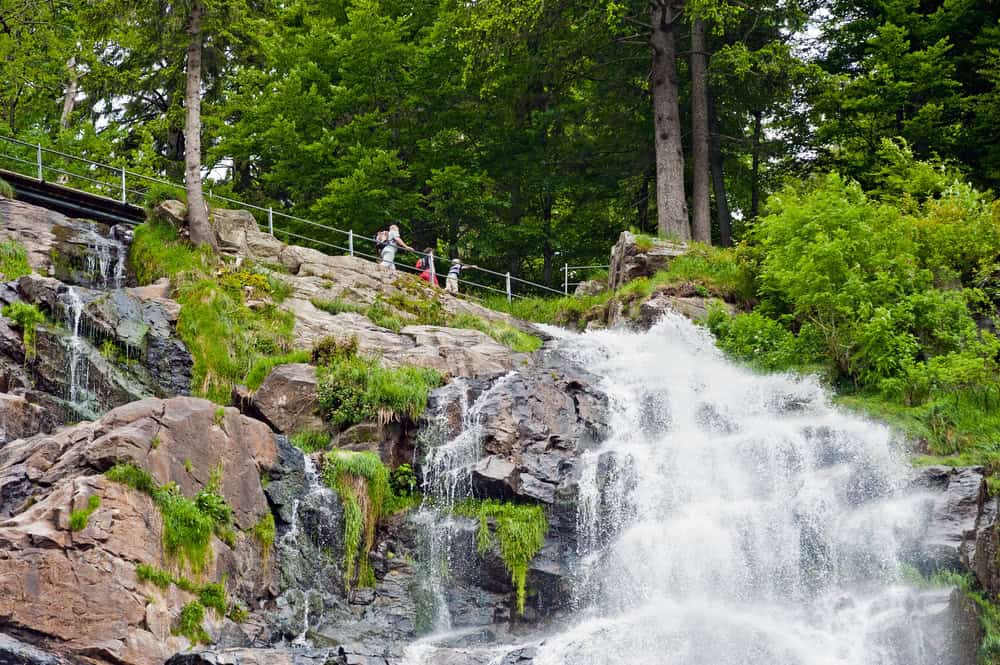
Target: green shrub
x,y
310,442
518,529
6,189
353,388
213,596
331,349
133,476
13,260
189,623
26,317
260,369
403,480
158,251
78,518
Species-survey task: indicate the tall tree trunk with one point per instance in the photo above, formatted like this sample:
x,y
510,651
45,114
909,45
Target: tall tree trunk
x,y
198,225
723,216
671,206
69,100
701,209
755,166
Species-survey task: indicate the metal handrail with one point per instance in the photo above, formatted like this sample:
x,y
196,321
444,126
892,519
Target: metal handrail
x,y
121,186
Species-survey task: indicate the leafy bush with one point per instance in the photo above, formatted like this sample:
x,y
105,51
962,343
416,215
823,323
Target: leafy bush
x,y
26,317
213,596
13,260
6,189
518,529
78,518
353,388
403,480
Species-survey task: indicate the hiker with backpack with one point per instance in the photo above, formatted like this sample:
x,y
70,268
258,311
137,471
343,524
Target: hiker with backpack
x,y
451,283
386,244
426,265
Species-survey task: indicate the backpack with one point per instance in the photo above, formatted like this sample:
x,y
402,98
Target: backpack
x,y
381,240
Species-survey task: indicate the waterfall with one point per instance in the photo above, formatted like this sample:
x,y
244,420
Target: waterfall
x,y
105,258
447,480
730,518
736,518
78,394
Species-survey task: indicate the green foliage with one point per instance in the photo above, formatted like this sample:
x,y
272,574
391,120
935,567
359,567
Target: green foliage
x,y
188,524
26,317
13,260
503,333
260,369
189,624
336,306
158,193
264,531
213,596
403,480
382,316
219,416
331,349
310,442
78,518
6,191
146,573
518,529
158,251
353,388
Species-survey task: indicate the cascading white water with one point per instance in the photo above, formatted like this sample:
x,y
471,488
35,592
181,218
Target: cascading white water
x,y
105,259
734,518
447,480
78,375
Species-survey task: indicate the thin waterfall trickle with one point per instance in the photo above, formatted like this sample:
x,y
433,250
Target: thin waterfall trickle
x,y
105,259
447,480
78,394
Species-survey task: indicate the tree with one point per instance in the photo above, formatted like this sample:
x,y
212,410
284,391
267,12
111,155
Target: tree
x,y
701,220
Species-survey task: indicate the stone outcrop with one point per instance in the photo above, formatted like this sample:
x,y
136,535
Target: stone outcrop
x,y
632,258
287,400
75,593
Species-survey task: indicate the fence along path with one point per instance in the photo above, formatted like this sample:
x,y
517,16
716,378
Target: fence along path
x,y
128,187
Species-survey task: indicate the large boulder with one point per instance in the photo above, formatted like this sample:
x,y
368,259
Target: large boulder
x,y
632,257
961,522
19,418
76,592
287,399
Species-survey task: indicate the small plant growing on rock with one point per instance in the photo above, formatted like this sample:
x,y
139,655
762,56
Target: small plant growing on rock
x,y
519,530
26,317
264,531
262,368
189,623
220,416
403,480
78,518
13,260
310,442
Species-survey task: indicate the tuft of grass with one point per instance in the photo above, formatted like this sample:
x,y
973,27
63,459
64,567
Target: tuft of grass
x,y
225,337
353,388
362,483
310,442
337,306
263,366
78,518
188,524
213,596
13,259
146,573
158,193
26,317
264,531
6,189
519,531
189,623
383,317
503,333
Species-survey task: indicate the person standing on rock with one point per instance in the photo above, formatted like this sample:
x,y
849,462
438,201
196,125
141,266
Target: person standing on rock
x,y
451,283
393,243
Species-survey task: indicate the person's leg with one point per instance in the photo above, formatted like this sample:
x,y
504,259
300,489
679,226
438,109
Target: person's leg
x,y
451,284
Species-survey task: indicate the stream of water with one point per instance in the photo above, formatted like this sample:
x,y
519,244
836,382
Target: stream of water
x,y
733,518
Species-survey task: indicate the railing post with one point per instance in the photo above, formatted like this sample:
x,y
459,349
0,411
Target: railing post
x,y
270,220
566,279
509,294
41,177
350,242
124,195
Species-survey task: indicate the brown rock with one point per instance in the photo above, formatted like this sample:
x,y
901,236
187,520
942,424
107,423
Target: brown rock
x,y
631,259
173,213
231,228
287,399
19,418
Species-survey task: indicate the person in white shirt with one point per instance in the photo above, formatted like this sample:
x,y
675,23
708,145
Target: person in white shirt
x,y
393,243
451,283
